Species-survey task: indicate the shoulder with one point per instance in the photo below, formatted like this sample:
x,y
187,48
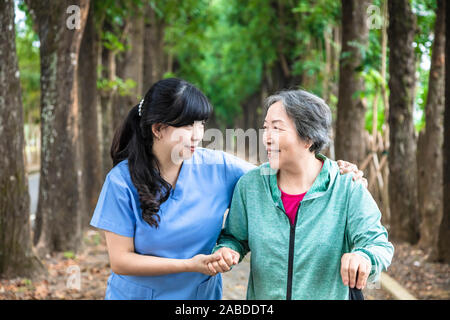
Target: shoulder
x,y
206,156
255,175
345,184
232,166
119,176
341,179
217,157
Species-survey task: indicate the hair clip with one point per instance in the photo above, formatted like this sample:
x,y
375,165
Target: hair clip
x,y
140,107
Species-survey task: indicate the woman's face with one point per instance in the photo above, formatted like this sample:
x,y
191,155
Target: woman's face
x,y
182,141
283,144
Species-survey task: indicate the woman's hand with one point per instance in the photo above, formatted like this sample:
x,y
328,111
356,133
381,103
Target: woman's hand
x,y
228,258
199,263
347,167
353,264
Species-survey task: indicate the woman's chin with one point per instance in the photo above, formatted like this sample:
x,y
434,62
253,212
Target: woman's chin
x,y
187,154
274,163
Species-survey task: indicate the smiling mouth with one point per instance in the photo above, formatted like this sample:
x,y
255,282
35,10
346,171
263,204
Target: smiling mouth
x,y
272,152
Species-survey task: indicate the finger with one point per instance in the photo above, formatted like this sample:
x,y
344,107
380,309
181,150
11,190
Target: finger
x,y
228,257
358,175
353,269
214,257
211,269
224,265
363,273
217,267
368,269
361,276
347,167
236,257
341,165
364,182
344,269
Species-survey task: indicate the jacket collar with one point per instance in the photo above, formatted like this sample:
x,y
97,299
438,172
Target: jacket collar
x,y
320,186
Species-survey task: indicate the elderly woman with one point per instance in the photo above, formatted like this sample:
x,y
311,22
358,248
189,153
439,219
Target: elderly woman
x,y
313,233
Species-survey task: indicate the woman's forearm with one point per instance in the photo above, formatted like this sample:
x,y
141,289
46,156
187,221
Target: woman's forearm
x,y
131,263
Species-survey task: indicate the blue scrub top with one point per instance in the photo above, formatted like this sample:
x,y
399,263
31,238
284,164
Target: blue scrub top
x,y
191,221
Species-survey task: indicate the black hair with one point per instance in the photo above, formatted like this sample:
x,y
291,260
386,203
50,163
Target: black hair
x,y
173,102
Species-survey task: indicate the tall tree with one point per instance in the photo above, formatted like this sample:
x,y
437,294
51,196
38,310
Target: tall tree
x,y
402,149
430,142
107,98
91,161
129,66
60,26
155,59
444,234
16,254
349,141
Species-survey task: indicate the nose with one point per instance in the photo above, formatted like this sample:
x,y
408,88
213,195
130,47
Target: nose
x,y
267,137
197,134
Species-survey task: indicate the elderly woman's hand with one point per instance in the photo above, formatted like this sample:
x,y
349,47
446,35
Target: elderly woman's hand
x,y
348,167
228,258
353,264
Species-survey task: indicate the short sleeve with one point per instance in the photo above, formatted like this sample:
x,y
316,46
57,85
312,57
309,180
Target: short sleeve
x,y
114,211
235,233
235,168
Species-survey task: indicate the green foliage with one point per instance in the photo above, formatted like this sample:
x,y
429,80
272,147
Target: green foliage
x,y
122,87
425,11
228,48
112,42
221,46
27,46
69,255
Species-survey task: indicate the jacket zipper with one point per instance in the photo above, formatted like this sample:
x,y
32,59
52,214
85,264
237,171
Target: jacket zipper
x,y
291,256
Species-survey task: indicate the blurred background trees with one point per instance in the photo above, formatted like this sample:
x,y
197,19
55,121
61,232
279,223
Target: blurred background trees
x,y
378,64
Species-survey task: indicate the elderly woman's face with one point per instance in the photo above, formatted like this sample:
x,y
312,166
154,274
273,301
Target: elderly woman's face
x,y
282,142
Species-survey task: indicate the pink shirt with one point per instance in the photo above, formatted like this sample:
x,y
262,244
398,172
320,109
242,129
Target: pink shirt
x,y
291,203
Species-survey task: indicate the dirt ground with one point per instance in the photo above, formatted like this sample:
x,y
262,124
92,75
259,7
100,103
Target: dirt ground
x,y
424,280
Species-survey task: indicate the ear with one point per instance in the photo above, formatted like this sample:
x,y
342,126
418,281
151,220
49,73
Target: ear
x,y
308,144
157,129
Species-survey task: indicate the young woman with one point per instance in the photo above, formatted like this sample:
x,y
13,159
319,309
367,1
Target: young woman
x,y
312,232
162,204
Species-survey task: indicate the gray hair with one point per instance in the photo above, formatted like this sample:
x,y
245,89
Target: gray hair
x,y
311,116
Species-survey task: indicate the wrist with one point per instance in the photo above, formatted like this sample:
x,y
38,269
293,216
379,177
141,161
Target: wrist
x,y
188,265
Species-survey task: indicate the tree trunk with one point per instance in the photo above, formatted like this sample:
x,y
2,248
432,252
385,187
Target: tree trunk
x,y
444,234
402,150
16,254
349,142
430,143
130,66
91,164
155,59
107,98
58,225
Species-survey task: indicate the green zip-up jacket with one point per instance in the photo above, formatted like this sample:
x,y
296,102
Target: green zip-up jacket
x,y
336,216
